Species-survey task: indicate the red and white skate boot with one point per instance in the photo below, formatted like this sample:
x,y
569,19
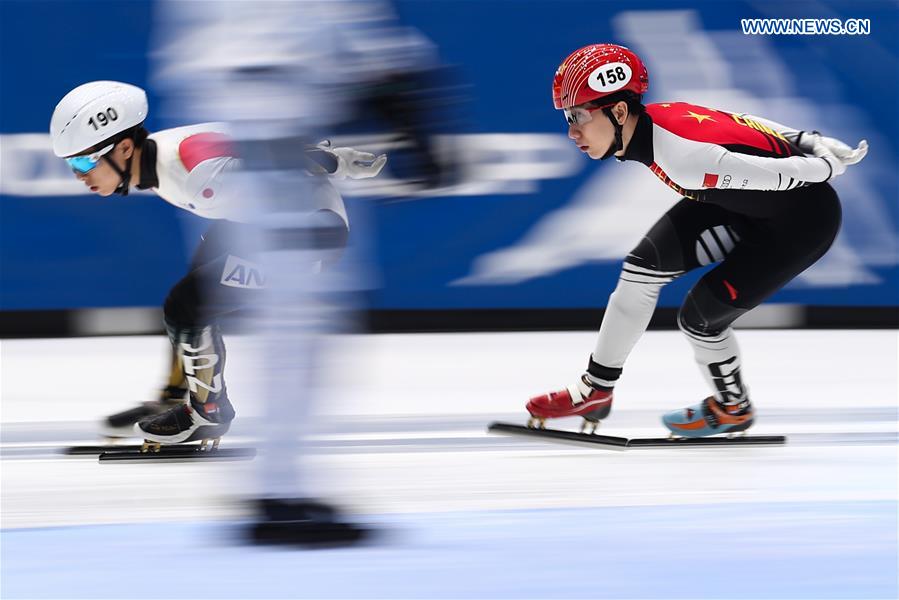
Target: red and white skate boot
x,y
581,399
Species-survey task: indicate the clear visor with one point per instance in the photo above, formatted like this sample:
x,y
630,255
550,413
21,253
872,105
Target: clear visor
x,y
87,162
579,115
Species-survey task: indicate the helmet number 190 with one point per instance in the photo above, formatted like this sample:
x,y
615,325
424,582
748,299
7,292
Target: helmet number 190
x,y
102,119
610,77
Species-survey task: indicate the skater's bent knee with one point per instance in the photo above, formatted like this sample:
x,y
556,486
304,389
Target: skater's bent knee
x,y
645,255
704,314
181,309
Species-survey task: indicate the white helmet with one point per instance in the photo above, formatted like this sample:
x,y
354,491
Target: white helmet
x,y
93,113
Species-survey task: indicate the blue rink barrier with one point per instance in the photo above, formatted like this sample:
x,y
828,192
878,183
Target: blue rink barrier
x,y
531,225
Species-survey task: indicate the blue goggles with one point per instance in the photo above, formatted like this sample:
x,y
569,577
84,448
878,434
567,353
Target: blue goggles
x,y
88,162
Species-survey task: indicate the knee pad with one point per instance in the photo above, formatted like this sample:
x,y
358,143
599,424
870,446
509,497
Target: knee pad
x,y
705,315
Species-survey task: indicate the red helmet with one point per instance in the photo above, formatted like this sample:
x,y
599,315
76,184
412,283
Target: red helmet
x,y
597,71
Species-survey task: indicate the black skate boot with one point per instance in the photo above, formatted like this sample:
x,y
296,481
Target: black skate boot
x,y
302,522
121,424
208,414
188,422
175,393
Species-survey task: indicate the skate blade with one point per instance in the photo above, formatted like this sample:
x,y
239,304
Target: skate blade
x,y
621,443
738,440
112,447
557,435
178,453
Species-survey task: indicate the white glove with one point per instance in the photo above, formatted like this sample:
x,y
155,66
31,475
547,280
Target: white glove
x,y
847,155
821,151
355,164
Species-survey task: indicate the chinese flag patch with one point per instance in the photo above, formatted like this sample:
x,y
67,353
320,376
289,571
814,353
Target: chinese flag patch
x,y
710,180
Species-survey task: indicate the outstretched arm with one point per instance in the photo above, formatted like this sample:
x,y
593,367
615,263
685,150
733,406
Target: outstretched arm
x,y
806,140
701,165
340,163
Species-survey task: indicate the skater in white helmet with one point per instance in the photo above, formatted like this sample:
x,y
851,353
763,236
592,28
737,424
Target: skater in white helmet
x,y
98,129
756,203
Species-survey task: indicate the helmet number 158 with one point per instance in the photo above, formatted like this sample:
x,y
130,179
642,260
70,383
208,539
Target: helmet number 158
x,y
102,119
609,78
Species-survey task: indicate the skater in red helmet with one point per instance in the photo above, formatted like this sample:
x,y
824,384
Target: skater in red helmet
x,y
756,204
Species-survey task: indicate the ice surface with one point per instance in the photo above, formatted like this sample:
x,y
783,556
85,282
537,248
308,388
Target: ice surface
x,y
467,514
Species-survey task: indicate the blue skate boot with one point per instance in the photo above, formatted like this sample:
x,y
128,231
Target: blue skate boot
x,y
709,417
